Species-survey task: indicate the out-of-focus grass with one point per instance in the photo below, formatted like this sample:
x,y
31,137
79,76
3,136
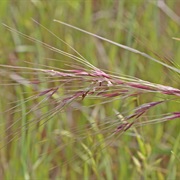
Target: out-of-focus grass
x,y
152,152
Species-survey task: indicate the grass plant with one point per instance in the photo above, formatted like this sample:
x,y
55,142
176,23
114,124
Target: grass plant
x,y
75,106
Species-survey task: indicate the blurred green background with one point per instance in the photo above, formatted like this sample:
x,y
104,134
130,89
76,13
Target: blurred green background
x,y
50,150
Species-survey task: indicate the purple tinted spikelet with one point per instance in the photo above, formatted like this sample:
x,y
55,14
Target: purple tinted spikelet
x,y
173,116
168,90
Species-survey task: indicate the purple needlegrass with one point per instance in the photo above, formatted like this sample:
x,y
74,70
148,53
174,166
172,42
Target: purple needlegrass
x,y
66,117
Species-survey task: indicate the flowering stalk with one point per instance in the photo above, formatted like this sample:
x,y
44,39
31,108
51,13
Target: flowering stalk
x,y
71,88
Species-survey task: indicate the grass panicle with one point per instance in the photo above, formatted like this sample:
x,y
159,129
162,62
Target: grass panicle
x,y
69,115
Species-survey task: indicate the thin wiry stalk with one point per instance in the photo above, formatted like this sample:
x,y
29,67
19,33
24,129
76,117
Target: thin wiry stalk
x,y
120,45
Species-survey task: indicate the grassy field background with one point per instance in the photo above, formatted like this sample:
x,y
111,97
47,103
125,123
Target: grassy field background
x,y
41,142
